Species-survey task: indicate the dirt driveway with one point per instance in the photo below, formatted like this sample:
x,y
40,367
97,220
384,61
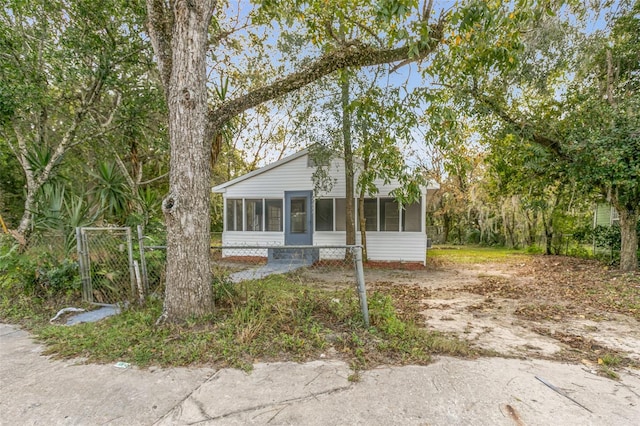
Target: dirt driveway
x,y
546,307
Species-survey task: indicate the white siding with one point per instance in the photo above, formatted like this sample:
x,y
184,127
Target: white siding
x,y
292,176
397,246
383,246
330,239
295,175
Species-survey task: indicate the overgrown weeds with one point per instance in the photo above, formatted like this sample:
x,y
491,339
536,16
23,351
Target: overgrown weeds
x,y
274,319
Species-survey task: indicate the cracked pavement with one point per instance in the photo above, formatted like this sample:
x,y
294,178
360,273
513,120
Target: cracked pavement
x,y
35,389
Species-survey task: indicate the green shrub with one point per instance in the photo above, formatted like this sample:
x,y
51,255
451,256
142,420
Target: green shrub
x,y
37,273
535,249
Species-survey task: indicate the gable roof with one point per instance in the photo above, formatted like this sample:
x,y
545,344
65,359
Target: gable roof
x,y
256,172
223,186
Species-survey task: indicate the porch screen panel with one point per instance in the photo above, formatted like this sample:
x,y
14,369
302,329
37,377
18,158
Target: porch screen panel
x,y
341,218
371,214
411,217
273,220
389,215
254,214
234,215
324,214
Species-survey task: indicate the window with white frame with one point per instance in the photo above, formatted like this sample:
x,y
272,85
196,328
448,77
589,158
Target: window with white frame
x,y
615,216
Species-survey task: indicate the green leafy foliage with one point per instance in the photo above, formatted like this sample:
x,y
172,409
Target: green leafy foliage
x,y
36,274
554,104
74,75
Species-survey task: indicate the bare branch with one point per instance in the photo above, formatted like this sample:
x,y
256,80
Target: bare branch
x,y
426,10
146,182
365,29
123,169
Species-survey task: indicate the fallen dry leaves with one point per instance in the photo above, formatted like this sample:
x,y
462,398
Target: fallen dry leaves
x,y
539,291
561,286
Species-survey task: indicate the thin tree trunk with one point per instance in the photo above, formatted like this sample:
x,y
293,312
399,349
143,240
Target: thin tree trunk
x,y
27,216
348,160
186,209
548,233
363,225
531,233
629,238
446,226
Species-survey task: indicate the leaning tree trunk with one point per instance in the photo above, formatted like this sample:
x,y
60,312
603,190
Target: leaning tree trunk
x,y
186,208
629,238
24,226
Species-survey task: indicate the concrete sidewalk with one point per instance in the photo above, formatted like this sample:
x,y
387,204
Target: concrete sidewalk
x,y
488,391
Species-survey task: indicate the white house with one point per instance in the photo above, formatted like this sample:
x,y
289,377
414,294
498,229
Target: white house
x,y
276,205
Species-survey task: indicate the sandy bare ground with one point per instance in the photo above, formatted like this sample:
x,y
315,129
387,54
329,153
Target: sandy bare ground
x,y
546,307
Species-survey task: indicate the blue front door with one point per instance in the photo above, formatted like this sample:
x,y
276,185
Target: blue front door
x,y
298,218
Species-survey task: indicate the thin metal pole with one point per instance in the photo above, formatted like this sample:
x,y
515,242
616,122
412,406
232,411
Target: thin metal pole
x,y
362,291
132,275
143,260
84,263
138,282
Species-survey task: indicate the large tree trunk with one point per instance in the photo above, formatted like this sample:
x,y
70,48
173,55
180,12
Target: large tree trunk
x,y
629,238
186,207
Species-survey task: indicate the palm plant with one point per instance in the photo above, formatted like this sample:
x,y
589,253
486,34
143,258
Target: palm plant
x,y
111,192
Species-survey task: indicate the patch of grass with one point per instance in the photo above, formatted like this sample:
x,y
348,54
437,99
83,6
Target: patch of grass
x,y
474,254
609,360
608,363
272,319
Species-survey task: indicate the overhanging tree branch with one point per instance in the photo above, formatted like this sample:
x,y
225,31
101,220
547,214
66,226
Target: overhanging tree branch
x,y
522,128
355,55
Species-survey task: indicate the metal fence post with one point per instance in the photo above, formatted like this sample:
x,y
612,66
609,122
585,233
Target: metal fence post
x,y
143,260
132,274
84,266
362,291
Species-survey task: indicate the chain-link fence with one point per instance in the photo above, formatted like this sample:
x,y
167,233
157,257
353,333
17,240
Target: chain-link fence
x,y
107,268
114,270
329,267
152,254
57,243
